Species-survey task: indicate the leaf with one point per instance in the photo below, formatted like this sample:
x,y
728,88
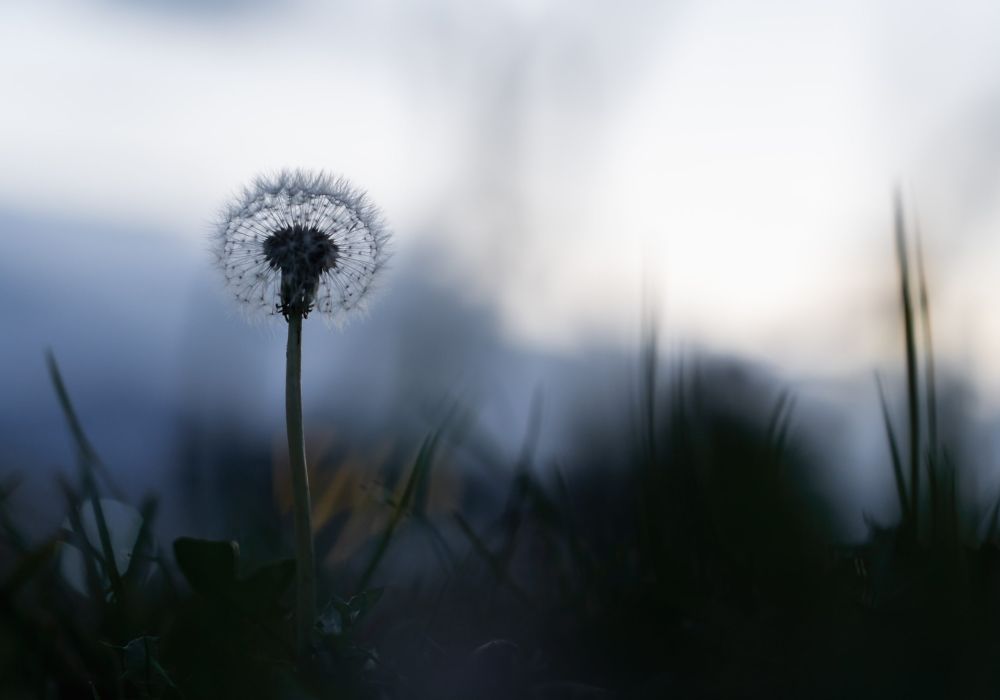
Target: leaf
x,y
340,616
330,622
139,658
209,566
211,570
263,589
363,602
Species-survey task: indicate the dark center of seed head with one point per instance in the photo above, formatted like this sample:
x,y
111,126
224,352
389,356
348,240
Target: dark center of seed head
x,y
302,254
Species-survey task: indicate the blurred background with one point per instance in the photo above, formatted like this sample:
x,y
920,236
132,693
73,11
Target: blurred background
x,y
552,170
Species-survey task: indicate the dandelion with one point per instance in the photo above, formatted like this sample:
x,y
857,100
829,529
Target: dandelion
x,y
292,243
298,241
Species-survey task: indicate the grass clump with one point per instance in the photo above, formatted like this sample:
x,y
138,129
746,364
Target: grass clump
x,y
681,551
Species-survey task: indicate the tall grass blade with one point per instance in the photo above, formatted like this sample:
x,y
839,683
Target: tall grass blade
x,y
912,389
929,370
523,485
93,560
88,459
14,536
85,450
496,566
951,515
440,545
648,383
897,462
993,518
420,471
779,424
944,512
650,476
142,550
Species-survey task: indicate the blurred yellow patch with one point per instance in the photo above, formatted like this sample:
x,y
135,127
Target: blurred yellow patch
x,y
355,484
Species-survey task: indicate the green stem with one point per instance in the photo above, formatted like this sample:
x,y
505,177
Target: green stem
x,y
304,555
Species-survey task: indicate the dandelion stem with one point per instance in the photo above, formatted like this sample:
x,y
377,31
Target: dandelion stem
x,y
304,556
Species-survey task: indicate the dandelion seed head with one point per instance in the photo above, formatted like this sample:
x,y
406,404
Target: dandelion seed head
x,y
299,241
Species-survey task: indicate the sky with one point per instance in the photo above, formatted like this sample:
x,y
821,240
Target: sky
x,y
561,165
738,160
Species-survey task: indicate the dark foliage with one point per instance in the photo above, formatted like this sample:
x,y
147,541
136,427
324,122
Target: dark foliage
x,y
683,553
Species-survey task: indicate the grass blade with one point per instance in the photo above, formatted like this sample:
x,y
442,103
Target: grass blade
x,y
930,382
491,559
88,460
420,471
780,424
912,389
897,462
929,373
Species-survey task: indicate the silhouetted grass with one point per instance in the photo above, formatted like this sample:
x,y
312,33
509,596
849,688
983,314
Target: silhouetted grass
x,y
680,551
